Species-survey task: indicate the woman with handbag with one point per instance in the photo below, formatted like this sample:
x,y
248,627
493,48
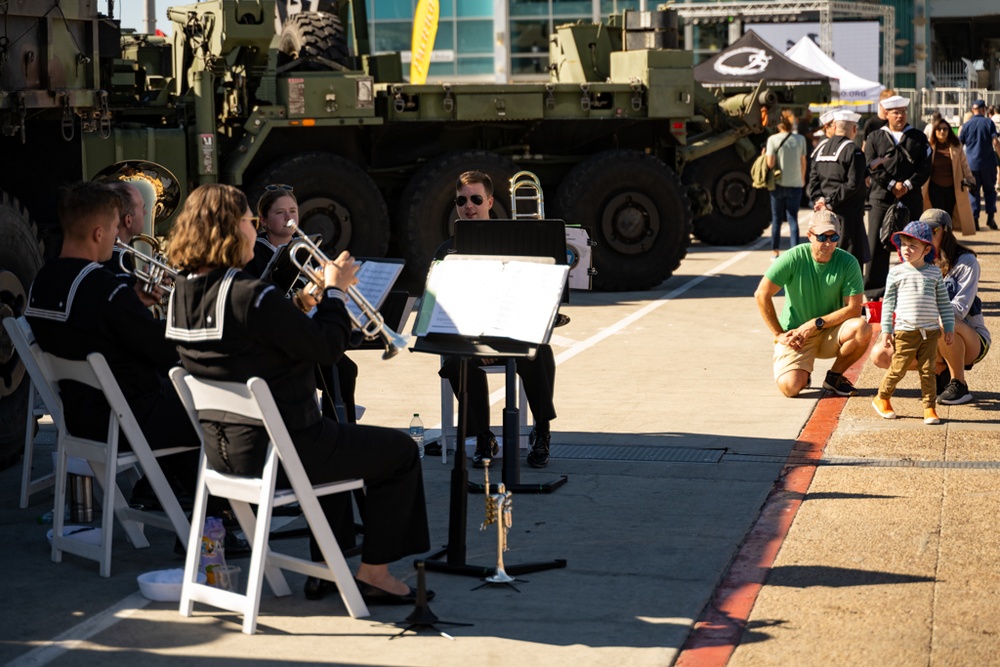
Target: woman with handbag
x,y
949,173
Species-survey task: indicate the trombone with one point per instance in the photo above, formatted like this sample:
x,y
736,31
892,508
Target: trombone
x,y
528,182
375,327
151,269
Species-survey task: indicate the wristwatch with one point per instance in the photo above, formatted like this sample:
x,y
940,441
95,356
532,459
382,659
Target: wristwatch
x,y
819,322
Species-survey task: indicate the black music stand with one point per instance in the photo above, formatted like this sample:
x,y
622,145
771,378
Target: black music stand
x,y
513,238
466,347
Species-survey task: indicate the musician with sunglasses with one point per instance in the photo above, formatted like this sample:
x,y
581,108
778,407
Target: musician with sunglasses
x,y
231,326
821,318
473,201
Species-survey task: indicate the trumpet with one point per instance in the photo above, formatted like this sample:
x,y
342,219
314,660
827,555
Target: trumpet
x,y
151,269
375,326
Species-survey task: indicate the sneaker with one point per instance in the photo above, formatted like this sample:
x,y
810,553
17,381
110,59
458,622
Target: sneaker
x,y
943,378
930,417
486,448
538,457
956,393
883,408
838,384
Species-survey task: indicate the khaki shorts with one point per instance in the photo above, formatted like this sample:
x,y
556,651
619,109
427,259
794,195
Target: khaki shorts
x,y
824,344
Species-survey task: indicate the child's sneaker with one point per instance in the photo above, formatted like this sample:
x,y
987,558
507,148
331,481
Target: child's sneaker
x,y
883,408
930,417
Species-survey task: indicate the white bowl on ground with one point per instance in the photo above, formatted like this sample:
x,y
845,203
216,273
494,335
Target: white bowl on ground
x,y
164,585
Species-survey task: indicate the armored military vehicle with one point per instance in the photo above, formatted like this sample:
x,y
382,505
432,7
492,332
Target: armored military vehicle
x,y
624,141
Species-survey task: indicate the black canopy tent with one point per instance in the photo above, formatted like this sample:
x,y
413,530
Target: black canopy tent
x,y
749,59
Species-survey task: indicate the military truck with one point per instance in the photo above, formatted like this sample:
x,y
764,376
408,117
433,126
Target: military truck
x,y
231,98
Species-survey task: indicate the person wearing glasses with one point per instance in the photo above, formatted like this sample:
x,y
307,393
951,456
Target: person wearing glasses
x,y
473,201
275,208
230,326
950,176
821,318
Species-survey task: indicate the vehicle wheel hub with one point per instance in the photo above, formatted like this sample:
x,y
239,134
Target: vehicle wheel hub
x,y
630,223
734,194
321,215
12,304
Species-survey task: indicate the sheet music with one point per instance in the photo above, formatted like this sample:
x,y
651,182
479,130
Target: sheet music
x,y
485,297
375,280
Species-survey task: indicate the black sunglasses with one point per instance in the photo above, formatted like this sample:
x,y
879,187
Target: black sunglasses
x,y
476,199
823,238
274,187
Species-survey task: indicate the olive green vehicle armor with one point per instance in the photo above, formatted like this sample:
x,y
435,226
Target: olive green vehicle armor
x,y
623,139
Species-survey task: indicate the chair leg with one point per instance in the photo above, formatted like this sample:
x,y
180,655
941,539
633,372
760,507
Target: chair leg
x,y
59,510
193,557
29,448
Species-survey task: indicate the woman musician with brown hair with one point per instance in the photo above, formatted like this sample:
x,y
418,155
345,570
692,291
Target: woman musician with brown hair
x,y
231,326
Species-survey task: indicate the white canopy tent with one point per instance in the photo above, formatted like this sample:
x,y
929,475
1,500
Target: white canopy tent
x,y
854,91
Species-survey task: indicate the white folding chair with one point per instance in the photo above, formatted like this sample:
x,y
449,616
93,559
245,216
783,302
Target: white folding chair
x,y
107,461
253,400
23,339
448,417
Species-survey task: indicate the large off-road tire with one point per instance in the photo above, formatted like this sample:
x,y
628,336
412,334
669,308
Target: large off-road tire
x,y
426,215
20,260
336,198
740,214
313,34
636,210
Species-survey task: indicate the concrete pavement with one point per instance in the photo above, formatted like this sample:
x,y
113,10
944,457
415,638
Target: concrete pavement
x,y
650,386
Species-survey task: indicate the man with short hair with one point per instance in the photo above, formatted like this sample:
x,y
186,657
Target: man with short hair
x,y
837,183
979,136
899,161
473,201
821,317
786,152
76,307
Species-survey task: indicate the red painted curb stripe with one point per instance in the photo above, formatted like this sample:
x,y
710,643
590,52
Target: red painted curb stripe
x,y
717,632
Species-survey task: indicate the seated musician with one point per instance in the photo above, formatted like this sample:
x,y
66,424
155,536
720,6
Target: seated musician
x,y
76,307
130,222
473,201
260,333
275,208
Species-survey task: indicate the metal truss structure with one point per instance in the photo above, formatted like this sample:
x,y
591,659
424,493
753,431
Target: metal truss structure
x,y
828,10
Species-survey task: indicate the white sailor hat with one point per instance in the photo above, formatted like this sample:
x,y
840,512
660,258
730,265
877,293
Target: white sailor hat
x,y
846,115
819,133
895,102
826,117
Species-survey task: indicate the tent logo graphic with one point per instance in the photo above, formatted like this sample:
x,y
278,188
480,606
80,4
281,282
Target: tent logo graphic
x,y
757,61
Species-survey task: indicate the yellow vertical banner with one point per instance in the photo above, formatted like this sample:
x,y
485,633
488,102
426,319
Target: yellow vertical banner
x,y
425,26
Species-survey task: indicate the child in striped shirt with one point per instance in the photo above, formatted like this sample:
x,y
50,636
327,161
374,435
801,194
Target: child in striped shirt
x,y
915,293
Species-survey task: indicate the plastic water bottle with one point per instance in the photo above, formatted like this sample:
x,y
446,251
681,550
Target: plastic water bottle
x,y
417,433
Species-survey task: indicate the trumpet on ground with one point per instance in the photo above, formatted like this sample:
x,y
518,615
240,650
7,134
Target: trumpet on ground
x,y
311,267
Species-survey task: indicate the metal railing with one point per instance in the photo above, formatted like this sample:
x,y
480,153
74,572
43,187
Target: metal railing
x,y
952,103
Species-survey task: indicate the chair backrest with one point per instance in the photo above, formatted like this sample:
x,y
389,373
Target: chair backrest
x,y
94,372
31,356
252,400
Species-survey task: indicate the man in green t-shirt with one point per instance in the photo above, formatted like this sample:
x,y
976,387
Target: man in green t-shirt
x,y
821,317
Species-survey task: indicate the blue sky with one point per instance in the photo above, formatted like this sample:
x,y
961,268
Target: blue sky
x,y
130,12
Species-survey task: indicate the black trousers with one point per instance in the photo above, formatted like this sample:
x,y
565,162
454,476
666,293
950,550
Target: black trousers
x,y
853,237
942,197
394,512
877,270
538,374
